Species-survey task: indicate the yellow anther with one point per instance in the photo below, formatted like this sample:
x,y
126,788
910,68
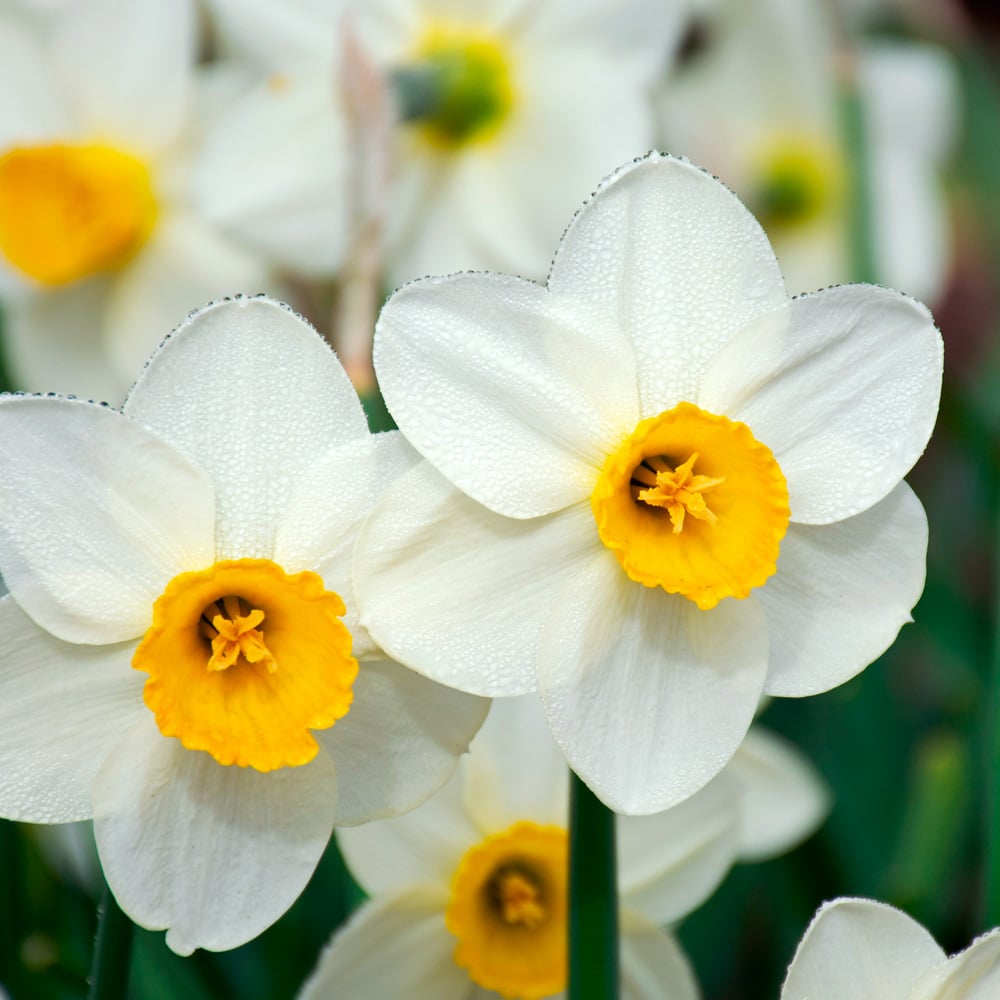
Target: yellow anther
x,y
237,636
520,899
678,490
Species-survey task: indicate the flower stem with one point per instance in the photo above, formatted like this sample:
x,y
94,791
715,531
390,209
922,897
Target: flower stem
x,y
860,199
112,952
593,897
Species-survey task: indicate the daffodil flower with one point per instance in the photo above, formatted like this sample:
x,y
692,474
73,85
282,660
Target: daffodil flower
x,y
777,138
101,246
469,890
858,949
183,659
664,355
492,95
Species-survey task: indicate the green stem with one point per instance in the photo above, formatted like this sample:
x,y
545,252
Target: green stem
x,y
112,952
593,897
862,250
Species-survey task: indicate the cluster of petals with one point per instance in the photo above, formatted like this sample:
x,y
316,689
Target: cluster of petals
x,y
121,75
242,442
514,776
483,567
859,949
581,77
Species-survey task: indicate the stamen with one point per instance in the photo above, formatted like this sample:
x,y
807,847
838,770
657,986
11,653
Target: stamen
x,y
234,634
519,898
678,490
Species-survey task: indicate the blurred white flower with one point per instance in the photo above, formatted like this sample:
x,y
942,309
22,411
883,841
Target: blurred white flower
x,y
470,889
100,247
777,137
911,106
514,108
181,638
616,461
858,949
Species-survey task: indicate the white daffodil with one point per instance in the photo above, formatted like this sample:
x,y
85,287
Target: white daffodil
x,y
857,949
100,247
469,890
181,638
616,463
778,139
493,95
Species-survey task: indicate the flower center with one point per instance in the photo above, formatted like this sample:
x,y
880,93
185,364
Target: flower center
x,y
457,88
508,911
67,212
232,631
213,653
798,179
678,491
693,503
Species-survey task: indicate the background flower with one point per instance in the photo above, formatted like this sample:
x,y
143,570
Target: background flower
x,y
778,138
575,80
509,791
99,130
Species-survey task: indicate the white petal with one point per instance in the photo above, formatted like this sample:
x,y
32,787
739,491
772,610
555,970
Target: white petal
x,y
529,394
393,947
292,207
672,258
422,846
843,387
184,264
399,743
251,393
857,949
783,799
129,65
973,974
648,696
653,967
63,708
912,104
458,592
423,231
213,854
515,770
96,515
32,106
327,507
55,343
841,594
671,862
638,34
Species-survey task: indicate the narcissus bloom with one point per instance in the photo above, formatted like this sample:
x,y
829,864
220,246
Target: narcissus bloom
x,y
469,890
183,656
657,488
777,138
491,96
857,949
101,248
